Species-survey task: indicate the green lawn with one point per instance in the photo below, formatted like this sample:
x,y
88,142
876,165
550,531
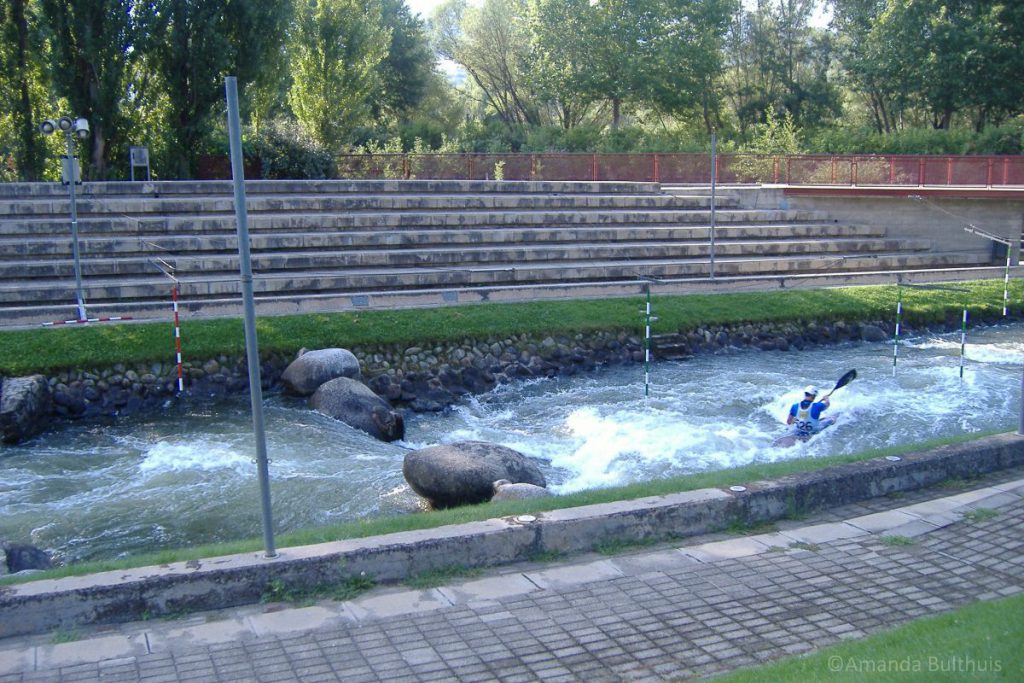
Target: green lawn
x,y
49,349
981,642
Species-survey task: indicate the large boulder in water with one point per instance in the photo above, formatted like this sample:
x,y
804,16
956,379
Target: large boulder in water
x,y
464,473
25,405
356,405
305,374
21,557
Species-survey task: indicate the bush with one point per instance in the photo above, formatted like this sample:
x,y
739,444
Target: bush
x,y
776,137
1005,139
285,152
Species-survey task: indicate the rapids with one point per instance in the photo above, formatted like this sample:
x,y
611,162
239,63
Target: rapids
x,y
185,476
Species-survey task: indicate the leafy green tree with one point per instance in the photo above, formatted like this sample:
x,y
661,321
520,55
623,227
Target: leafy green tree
x,y
561,56
20,85
492,43
776,59
336,48
192,45
661,54
90,45
936,58
406,71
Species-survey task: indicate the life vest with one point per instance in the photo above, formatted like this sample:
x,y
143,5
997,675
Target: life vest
x,y
804,423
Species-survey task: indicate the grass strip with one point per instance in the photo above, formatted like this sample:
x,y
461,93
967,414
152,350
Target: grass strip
x,y
49,350
980,642
474,513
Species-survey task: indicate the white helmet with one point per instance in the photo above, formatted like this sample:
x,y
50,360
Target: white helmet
x,y
811,390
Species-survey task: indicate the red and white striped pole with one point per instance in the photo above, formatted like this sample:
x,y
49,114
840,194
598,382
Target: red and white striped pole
x,y
83,321
177,336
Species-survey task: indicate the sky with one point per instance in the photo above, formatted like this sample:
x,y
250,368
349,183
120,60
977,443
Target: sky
x,y
425,7
422,7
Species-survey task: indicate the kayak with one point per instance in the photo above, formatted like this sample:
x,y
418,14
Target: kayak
x,y
788,440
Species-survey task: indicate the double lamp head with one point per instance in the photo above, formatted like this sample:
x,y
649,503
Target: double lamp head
x,y
66,124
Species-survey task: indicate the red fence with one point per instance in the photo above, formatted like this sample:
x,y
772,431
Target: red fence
x,y
847,170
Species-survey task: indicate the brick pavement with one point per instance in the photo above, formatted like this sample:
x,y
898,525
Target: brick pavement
x,y
660,614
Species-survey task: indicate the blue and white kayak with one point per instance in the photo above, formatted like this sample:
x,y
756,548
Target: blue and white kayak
x,y
791,439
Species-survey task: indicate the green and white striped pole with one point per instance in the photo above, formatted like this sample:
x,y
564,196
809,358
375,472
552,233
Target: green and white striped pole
x,y
963,342
896,335
647,343
1006,280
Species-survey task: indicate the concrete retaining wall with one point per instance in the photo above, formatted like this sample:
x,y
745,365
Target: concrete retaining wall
x,y
221,582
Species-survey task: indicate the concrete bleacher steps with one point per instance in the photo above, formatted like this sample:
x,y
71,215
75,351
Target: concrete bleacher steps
x,y
325,245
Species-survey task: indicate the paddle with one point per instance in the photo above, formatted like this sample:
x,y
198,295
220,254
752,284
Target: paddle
x,y
843,381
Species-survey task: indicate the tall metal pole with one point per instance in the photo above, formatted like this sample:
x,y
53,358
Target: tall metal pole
x,y
251,350
72,179
714,178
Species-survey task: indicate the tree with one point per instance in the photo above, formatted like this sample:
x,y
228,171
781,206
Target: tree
x,y
90,44
560,52
406,71
336,48
776,59
193,45
938,58
491,42
19,83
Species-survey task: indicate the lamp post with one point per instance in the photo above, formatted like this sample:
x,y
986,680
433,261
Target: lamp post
x,y
70,176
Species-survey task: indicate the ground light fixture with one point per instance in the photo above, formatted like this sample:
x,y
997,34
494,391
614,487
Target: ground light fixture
x,y
70,176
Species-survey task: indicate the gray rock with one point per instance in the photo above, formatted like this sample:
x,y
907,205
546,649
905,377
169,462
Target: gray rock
x,y
25,407
353,403
464,473
307,372
21,557
873,333
506,490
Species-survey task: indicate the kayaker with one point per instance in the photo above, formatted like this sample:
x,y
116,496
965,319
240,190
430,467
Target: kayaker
x,y
805,415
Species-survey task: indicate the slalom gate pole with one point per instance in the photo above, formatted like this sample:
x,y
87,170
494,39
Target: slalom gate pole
x,y
177,335
896,336
647,344
1006,280
109,319
963,342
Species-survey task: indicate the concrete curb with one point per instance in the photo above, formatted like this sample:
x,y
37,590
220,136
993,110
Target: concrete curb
x,y
228,581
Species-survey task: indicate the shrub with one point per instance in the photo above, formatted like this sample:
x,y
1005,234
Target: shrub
x,y
285,151
776,137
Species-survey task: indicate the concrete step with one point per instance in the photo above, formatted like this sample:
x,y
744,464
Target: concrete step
x,y
296,262
193,224
155,287
292,203
161,245
198,188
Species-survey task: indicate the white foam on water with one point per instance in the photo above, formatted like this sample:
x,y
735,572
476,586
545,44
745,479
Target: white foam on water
x,y
617,447
168,456
1006,353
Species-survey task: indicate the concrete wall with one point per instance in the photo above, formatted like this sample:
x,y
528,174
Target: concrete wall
x,y
239,579
937,218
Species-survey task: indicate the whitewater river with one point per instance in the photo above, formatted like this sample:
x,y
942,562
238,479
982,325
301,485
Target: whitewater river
x,y
185,476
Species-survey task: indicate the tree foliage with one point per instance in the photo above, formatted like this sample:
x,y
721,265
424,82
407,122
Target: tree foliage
x,y
336,47
318,76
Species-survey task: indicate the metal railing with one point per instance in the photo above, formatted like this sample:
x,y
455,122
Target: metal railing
x,y
686,168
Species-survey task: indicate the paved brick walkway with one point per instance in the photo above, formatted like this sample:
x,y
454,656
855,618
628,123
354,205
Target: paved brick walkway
x,y
661,614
